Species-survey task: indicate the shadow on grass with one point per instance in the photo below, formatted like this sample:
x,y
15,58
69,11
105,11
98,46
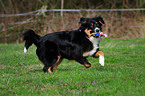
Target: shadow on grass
x,y
75,69
64,69
35,70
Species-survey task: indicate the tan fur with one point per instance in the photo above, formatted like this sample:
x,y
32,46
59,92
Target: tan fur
x,y
57,63
99,53
49,70
54,67
87,65
87,32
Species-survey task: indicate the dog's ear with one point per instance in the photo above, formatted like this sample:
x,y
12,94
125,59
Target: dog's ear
x,y
82,19
84,26
99,19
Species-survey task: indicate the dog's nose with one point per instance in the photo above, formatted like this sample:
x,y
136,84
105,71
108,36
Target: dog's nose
x,y
97,29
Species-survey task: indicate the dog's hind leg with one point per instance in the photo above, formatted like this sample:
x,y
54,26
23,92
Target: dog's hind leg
x,y
48,64
101,55
49,70
50,55
54,67
45,68
48,59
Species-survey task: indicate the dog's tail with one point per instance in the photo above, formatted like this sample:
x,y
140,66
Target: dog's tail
x,y
30,37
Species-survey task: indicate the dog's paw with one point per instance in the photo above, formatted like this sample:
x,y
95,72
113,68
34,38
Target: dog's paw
x,y
101,60
87,65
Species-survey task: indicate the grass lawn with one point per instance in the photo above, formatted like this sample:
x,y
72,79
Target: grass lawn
x,y
123,74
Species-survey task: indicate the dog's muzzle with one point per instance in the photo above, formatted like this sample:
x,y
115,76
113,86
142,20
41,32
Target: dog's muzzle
x,y
97,30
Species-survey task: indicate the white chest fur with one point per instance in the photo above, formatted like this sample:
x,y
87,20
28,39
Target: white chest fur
x,y
95,42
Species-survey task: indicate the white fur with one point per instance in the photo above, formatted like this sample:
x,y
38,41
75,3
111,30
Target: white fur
x,y
95,42
25,50
101,60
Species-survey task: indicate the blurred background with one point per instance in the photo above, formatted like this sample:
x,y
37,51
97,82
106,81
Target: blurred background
x,y
16,16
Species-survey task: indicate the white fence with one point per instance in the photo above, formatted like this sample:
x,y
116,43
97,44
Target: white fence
x,y
67,10
42,11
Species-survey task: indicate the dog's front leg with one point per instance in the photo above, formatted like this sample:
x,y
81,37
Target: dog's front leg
x,y
101,55
84,62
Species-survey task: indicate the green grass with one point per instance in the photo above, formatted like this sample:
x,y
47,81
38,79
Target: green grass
x,y
123,74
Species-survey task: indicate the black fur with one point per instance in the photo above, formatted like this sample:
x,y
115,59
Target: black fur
x,y
66,44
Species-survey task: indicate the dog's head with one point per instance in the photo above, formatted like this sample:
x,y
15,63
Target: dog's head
x,y
99,21
89,27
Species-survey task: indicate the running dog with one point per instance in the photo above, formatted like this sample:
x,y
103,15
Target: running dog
x,y
73,45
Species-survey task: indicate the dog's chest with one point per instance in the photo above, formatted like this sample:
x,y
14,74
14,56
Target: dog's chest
x,y
95,42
